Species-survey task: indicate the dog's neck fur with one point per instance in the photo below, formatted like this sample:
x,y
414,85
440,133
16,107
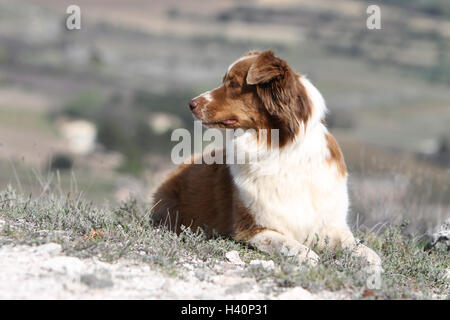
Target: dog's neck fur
x,y
310,141
289,190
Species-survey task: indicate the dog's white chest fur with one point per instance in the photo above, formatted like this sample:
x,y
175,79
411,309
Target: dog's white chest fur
x,y
299,194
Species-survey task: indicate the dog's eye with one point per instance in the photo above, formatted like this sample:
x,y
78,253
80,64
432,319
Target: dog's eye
x,y
233,84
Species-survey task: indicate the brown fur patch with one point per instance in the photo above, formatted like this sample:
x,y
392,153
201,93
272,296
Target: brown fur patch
x,y
336,155
203,196
282,94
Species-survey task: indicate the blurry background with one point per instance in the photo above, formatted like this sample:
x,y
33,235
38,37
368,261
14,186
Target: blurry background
x,y
92,110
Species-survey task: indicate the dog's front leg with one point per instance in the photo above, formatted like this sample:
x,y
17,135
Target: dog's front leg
x,y
276,243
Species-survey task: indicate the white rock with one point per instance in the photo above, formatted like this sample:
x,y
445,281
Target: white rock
x,y
70,266
188,266
266,264
51,249
296,293
80,135
162,122
228,281
233,257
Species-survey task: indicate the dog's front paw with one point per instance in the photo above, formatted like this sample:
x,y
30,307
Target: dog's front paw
x,y
310,257
368,254
302,253
276,243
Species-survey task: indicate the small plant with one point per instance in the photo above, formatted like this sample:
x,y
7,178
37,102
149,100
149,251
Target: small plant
x,y
61,161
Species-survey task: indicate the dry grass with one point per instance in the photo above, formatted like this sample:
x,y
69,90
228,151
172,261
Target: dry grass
x,y
84,230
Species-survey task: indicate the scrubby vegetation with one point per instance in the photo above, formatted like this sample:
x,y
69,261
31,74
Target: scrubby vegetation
x,y
123,121
84,230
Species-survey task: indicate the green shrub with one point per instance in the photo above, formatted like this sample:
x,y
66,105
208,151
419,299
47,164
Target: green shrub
x,y
61,161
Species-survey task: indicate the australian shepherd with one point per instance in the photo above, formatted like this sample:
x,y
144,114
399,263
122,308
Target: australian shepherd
x,y
281,205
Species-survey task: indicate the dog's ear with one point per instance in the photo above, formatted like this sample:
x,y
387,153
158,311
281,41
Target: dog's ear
x,y
251,53
265,68
276,83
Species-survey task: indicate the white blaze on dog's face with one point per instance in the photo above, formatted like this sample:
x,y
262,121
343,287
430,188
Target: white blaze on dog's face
x,y
230,105
258,91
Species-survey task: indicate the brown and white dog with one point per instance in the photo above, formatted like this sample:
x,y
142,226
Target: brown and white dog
x,y
301,202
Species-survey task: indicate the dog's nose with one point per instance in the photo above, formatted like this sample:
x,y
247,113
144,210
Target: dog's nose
x,y
193,104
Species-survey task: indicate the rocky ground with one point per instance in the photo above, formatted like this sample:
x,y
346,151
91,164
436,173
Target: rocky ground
x,y
55,247
45,272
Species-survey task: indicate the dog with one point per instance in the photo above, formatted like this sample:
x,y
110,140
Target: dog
x,y
302,202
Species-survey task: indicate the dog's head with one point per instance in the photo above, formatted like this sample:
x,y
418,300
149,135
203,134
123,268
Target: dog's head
x,y
259,91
